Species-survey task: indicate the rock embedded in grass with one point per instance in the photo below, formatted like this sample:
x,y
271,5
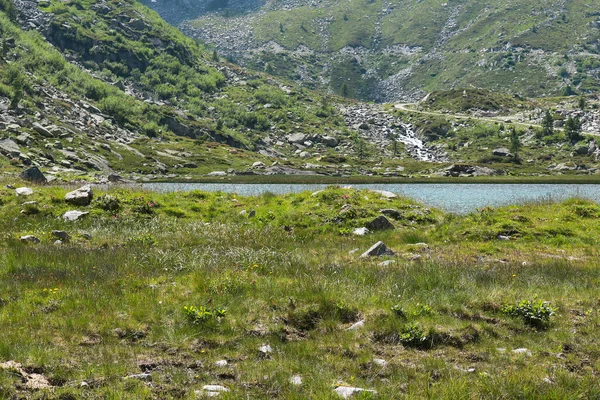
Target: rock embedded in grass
x,y
74,215
380,223
378,249
24,191
347,391
296,380
33,174
141,377
360,231
62,235
80,197
211,390
29,239
390,212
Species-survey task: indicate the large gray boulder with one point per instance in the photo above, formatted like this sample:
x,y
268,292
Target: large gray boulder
x,y
297,138
80,197
329,141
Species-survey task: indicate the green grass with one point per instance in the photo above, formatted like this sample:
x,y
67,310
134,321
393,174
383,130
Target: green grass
x,y
98,310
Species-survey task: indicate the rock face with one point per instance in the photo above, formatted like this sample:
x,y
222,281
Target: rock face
x,y
33,174
80,197
380,223
378,249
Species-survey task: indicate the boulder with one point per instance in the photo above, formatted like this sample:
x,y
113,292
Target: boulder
x,y
329,141
501,152
378,249
33,174
218,173
297,138
42,130
9,148
386,194
380,223
74,215
80,197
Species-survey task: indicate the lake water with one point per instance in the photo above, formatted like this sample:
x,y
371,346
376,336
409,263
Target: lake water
x,y
451,197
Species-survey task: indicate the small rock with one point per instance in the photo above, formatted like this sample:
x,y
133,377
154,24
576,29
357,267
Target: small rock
x,y
266,349
502,237
114,178
29,239
86,236
501,152
211,390
378,249
24,191
74,215
380,223
141,377
360,231
221,363
252,214
218,173
347,391
84,384
329,141
381,362
80,197
62,235
356,325
523,350
296,380
58,242
386,263
353,251
258,164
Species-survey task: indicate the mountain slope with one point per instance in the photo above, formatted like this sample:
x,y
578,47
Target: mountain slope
x,y
386,50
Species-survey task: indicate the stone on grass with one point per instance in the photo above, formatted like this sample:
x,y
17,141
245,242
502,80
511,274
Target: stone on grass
x,y
386,263
80,197
24,191
378,249
502,237
62,235
380,223
211,391
356,325
360,231
141,377
380,361
390,212
347,391
524,351
252,214
296,380
221,363
74,215
33,174
266,349
218,173
501,152
29,239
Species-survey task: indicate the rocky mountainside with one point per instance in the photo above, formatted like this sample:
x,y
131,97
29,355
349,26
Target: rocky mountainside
x,y
399,50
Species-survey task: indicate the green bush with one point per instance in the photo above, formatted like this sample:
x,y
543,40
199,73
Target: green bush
x,y
537,314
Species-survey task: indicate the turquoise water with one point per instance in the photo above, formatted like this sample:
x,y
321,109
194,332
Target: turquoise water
x,y
457,198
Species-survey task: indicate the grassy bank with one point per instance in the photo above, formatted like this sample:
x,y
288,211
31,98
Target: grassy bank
x,y
170,284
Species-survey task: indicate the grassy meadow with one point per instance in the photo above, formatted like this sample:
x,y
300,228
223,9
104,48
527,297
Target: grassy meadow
x,y
155,296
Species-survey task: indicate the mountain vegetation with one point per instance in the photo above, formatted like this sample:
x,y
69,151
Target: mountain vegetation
x,y
401,50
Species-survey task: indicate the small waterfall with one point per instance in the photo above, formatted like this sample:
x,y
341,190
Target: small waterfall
x,y
415,146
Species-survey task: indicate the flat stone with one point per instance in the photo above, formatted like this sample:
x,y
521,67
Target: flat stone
x,y
141,377
523,351
356,325
74,215
9,147
221,363
218,173
296,380
501,152
266,349
378,249
24,191
42,130
386,263
389,212
347,391
297,138
379,361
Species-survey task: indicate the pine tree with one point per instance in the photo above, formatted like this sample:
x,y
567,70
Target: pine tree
x,y
573,129
344,90
548,124
215,56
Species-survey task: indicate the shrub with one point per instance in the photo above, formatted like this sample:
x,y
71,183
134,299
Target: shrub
x,y
536,314
200,315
